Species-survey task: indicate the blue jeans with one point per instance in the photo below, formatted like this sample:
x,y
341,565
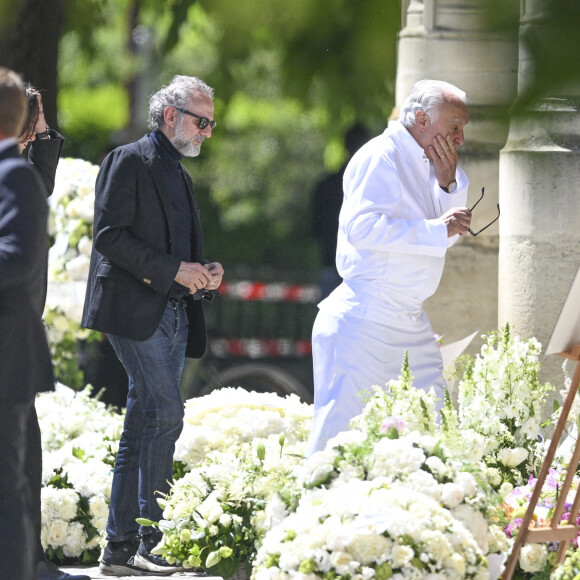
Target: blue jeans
x,y
153,423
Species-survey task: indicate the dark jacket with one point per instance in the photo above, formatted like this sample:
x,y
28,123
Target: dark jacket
x,y
25,364
132,264
44,155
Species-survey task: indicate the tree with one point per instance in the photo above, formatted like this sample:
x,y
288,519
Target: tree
x,y
30,32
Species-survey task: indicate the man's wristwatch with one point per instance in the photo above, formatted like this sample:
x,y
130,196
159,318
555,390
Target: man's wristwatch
x,y
44,134
450,188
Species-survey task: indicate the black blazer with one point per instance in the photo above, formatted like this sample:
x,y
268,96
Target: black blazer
x,y
132,262
44,155
25,364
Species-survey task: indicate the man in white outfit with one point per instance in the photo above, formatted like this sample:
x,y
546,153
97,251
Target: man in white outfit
x,y
404,205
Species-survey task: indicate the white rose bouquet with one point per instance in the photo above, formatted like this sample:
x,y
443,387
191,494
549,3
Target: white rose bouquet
x,y
237,450
369,529
80,438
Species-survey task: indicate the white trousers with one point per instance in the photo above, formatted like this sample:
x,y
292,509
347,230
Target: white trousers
x,y
359,340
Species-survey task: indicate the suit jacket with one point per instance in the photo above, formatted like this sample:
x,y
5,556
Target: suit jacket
x,y
44,155
132,263
25,366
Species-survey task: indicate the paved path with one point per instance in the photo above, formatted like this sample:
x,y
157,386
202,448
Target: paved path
x,y
93,572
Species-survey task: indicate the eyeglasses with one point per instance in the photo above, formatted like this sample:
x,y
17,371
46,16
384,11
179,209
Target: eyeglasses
x,y
203,121
484,228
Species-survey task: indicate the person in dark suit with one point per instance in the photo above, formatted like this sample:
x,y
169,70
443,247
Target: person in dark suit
x,y
325,209
41,146
147,281
26,366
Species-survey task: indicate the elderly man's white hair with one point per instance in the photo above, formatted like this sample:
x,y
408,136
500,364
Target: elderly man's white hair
x,y
176,94
428,96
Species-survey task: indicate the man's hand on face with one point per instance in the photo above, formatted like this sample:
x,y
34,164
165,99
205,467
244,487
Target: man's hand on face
x,y
443,154
457,220
193,276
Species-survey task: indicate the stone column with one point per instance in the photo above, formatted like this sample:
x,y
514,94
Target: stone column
x,y
539,194
448,40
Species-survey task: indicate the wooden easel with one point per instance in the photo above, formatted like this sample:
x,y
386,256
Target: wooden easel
x,y
555,532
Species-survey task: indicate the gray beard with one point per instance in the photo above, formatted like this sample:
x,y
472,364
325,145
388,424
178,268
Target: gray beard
x,y
187,147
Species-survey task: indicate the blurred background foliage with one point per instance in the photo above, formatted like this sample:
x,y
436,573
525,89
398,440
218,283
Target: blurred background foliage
x,y
290,79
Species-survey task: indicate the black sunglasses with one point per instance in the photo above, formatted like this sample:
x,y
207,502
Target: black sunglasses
x,y
203,121
481,230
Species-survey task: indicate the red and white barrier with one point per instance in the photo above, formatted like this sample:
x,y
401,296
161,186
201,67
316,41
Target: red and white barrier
x,y
275,292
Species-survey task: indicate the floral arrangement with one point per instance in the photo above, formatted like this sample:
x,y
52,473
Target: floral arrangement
x,y
387,498
80,438
238,449
537,560
369,529
500,409
71,220
70,228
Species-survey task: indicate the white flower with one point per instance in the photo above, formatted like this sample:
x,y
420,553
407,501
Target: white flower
x,y
98,507
402,555
512,457
75,542
505,489
493,476
474,521
78,267
56,533
533,557
452,494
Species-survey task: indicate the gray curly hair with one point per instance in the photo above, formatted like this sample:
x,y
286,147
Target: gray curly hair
x,y
428,96
176,94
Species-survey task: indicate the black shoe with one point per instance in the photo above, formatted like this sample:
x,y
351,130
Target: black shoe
x,y
151,563
117,559
46,570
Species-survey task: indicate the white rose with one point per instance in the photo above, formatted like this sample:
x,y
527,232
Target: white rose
x,y
98,507
533,557
451,494
467,482
100,523
435,465
56,533
512,457
210,510
402,555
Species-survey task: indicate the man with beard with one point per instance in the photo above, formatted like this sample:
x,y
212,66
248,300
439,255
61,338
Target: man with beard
x,y
146,283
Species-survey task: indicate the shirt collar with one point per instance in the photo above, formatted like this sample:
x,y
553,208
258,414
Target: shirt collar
x,y
407,140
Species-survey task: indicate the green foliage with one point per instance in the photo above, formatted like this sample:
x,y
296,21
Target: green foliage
x,y
283,101
90,116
